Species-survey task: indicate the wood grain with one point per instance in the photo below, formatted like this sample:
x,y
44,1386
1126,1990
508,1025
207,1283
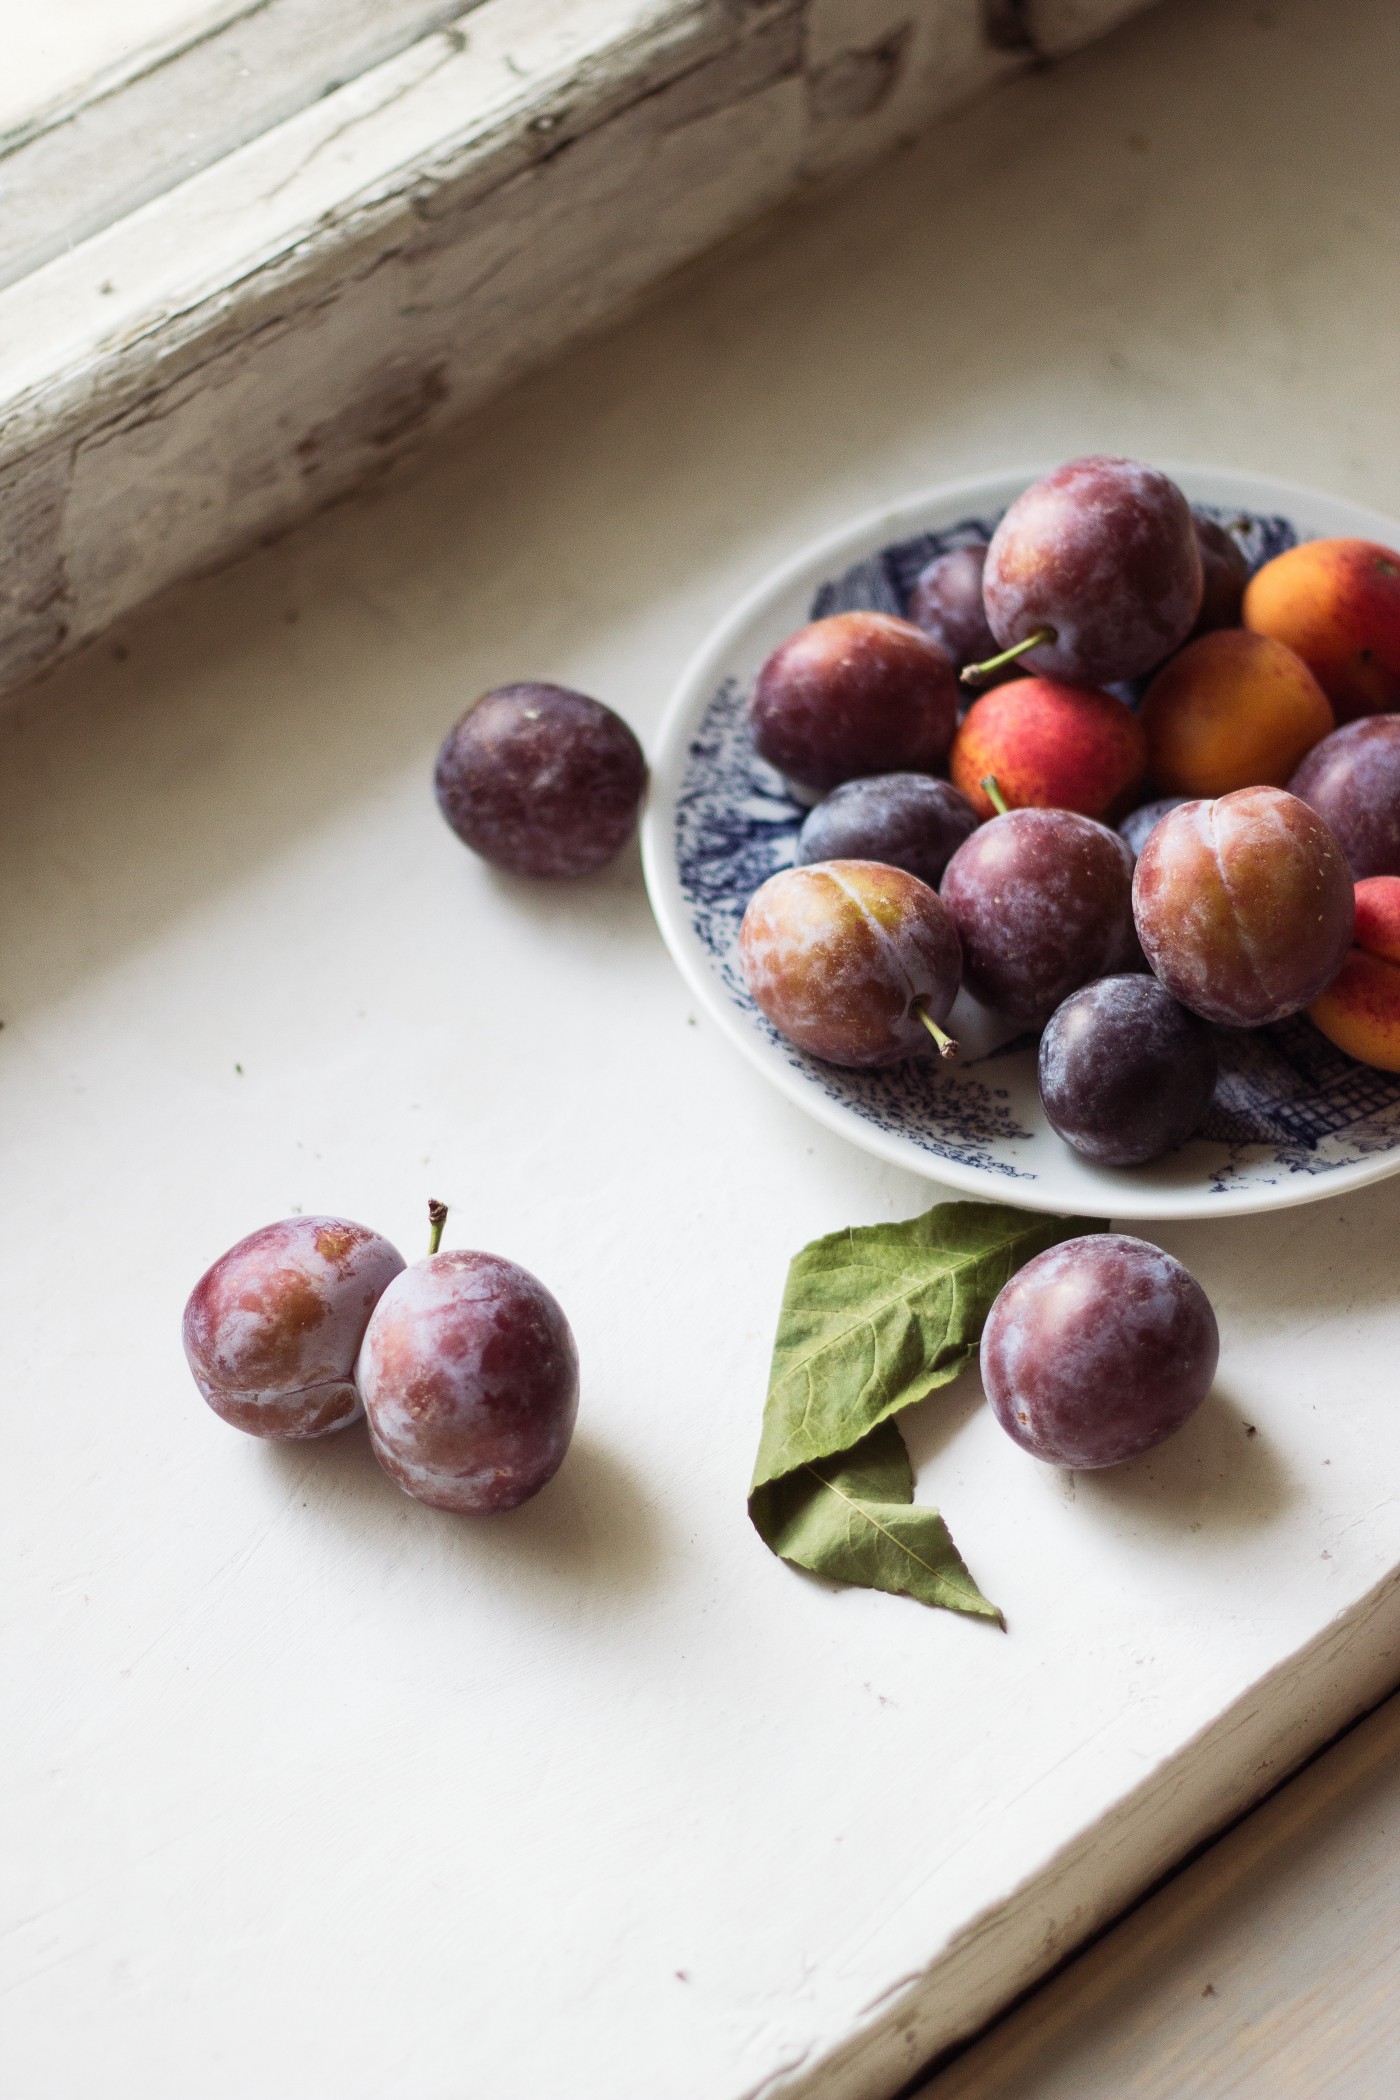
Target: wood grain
x,y
1269,1969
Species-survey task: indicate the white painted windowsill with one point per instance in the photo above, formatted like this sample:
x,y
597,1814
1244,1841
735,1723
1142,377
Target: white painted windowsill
x,y
257,337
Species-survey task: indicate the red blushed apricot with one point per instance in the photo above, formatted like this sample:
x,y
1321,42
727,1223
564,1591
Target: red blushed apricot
x,y
1378,916
1051,745
1360,1009
1232,710
1337,602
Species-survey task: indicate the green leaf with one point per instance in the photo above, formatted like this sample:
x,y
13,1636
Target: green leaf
x,y
873,1320
854,1520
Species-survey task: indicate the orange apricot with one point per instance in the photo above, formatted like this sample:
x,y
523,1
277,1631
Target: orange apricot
x,y
1232,710
1337,602
1051,745
1360,1009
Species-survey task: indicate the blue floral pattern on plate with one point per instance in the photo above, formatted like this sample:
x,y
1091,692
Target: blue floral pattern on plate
x,y
1288,1102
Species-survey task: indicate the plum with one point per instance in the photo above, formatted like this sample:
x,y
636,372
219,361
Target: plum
x,y
1125,1071
946,602
1094,572
1352,780
1050,745
853,694
1337,602
1097,1350
1042,901
469,1376
541,780
906,820
1231,710
272,1330
1244,905
1140,821
1225,573
852,961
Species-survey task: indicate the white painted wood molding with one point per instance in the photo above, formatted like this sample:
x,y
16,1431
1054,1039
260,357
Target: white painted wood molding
x,y
260,338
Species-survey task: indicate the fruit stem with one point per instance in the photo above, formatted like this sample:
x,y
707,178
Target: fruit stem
x,y
978,674
437,1218
991,788
947,1047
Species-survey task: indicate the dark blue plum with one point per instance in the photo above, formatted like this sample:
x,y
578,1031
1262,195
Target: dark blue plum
x,y
1125,1071
906,820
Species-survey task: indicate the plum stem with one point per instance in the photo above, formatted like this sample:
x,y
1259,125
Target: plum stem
x,y
991,788
437,1218
978,674
947,1046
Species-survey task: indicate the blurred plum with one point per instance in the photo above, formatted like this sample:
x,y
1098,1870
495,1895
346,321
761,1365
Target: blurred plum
x,y
1352,780
1139,822
1225,572
946,602
1097,1350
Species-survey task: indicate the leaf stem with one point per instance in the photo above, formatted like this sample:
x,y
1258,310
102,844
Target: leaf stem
x,y
947,1044
991,788
437,1218
983,673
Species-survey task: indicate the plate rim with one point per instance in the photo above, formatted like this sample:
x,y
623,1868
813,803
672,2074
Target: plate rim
x,y
695,686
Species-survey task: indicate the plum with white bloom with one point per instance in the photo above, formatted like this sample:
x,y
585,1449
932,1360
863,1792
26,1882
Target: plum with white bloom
x,y
469,1376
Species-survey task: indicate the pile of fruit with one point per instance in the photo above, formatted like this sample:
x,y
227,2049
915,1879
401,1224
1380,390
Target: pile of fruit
x,y
1240,731
1254,874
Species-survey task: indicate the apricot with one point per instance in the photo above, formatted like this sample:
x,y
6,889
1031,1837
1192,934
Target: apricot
x,y
1337,602
1360,1009
1244,906
1232,710
1051,745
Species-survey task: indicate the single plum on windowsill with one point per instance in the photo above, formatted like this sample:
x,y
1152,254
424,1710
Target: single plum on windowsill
x,y
1097,1350
541,780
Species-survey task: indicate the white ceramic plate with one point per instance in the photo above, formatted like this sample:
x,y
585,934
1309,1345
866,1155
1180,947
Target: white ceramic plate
x,y
1293,1119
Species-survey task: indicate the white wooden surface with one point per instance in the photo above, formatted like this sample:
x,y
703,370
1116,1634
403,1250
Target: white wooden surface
x,y
1269,1969
328,1796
